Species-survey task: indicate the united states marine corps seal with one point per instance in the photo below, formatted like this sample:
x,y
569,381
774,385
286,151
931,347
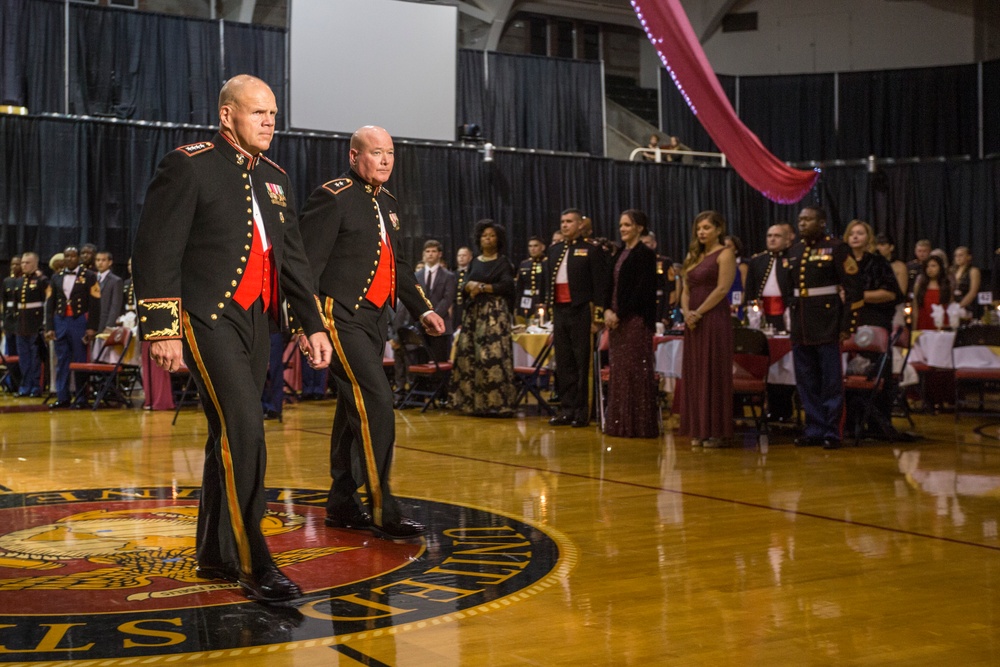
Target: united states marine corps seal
x,y
106,574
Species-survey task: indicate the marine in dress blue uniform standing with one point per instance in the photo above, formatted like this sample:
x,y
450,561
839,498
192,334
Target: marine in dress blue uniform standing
x,y
352,227
813,276
72,315
32,287
217,237
531,289
580,275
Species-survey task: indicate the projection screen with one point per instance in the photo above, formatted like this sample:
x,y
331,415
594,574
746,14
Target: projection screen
x,y
373,62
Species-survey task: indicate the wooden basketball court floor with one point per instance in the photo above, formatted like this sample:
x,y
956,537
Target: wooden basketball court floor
x,y
775,555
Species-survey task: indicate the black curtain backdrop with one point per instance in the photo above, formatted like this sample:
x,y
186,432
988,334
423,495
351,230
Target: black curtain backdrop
x,y
260,51
532,102
909,113
792,115
991,107
70,181
32,34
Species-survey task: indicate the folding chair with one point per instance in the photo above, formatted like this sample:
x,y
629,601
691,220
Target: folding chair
x,y
10,376
188,392
430,377
602,372
751,361
532,379
900,405
104,381
871,340
975,366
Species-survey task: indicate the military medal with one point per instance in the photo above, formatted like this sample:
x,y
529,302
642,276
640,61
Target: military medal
x,y
276,194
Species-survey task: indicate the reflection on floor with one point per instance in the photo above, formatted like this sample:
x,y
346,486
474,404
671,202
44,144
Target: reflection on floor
x,y
547,546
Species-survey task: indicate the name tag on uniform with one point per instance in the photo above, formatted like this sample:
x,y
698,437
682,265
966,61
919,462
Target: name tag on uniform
x,y
580,251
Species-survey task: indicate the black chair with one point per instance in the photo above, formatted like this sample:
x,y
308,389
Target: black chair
x,y
430,377
751,362
188,394
972,372
900,404
10,375
532,379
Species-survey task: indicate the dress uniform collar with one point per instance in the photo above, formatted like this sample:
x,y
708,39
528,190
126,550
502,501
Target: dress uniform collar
x,y
235,154
373,190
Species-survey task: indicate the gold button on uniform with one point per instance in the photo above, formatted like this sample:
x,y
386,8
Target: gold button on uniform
x,y
228,294
234,283
214,316
222,305
239,271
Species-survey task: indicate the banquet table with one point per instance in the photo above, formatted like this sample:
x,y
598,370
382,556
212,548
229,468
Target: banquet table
x,y
670,358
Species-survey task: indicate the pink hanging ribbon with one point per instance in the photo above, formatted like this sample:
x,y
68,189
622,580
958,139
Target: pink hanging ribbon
x,y
670,31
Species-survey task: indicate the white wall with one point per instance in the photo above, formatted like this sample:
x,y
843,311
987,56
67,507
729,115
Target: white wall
x,y
799,36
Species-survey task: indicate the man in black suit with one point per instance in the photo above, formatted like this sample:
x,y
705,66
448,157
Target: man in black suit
x,y
8,307
580,275
352,226
72,314
531,289
217,238
112,293
31,289
439,285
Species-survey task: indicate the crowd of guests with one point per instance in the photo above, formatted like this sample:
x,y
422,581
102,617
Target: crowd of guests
x,y
581,285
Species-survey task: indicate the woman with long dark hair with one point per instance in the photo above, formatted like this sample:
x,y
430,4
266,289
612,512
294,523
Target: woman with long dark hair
x,y
932,287
483,375
707,369
632,410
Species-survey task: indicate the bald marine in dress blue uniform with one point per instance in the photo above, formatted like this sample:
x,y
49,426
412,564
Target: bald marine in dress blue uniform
x,y
217,237
355,250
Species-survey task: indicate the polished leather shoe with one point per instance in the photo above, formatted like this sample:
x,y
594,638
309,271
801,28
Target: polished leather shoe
x,y
224,572
357,521
831,443
807,441
269,585
580,423
401,530
58,405
560,420
271,414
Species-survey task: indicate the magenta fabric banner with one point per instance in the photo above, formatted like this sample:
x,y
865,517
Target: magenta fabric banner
x,y
671,33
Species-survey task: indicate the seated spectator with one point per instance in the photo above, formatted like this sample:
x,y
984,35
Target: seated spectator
x,y
932,287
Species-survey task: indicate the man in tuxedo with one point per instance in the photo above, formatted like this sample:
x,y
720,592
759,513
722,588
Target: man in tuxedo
x,y
439,285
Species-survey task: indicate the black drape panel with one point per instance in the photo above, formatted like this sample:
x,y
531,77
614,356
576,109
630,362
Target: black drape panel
x,y
470,84
31,54
260,51
548,103
792,115
909,113
991,107
70,181
139,65
676,117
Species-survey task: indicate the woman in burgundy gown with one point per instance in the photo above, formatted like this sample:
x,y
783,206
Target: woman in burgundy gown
x,y
707,370
632,402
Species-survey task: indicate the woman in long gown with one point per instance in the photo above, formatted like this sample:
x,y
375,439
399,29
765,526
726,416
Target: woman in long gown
x,y
483,375
707,370
632,410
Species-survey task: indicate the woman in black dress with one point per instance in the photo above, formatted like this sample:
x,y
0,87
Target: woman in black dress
x,y
483,375
632,409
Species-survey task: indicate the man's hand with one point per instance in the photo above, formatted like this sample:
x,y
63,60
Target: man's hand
x,y
320,350
50,336
168,354
433,324
89,336
610,319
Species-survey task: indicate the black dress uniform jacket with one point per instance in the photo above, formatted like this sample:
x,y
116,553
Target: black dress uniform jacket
x,y
820,266
197,267
759,270
9,304
344,243
31,292
84,298
532,286
666,283
588,270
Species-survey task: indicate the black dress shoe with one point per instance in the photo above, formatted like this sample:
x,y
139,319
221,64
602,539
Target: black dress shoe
x,y
831,443
560,420
269,585
357,521
401,530
58,405
271,414
224,572
808,441
580,423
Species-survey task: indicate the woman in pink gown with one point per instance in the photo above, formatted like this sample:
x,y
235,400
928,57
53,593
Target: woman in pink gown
x,y
707,370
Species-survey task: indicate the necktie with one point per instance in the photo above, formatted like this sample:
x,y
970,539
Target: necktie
x,y
430,280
